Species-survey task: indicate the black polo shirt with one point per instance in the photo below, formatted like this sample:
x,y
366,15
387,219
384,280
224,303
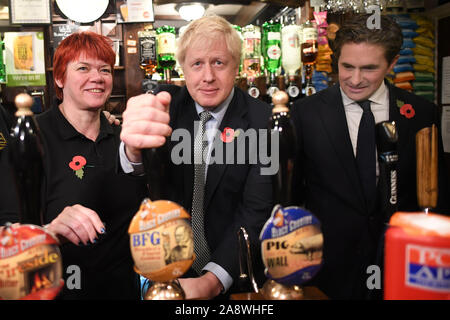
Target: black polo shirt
x,y
97,183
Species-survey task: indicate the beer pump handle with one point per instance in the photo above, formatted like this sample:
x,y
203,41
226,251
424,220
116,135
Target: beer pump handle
x,y
26,157
427,167
387,138
245,262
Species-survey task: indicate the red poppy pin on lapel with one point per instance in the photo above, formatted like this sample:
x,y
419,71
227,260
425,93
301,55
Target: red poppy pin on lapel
x,y
406,109
229,134
77,164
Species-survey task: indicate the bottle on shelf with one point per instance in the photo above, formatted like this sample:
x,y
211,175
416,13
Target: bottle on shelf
x,y
166,50
309,51
2,64
251,67
272,53
309,47
148,60
147,51
291,58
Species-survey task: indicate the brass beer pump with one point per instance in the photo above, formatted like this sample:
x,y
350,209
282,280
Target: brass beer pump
x,y
291,240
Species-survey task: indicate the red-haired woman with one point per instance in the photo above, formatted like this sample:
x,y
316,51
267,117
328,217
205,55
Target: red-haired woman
x,y
89,202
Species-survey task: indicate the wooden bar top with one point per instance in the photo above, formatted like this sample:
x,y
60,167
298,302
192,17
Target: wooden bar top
x,y
309,293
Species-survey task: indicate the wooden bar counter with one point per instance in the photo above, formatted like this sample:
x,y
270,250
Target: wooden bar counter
x,y
309,293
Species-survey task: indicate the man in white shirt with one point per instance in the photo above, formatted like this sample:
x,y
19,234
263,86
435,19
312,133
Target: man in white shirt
x,y
337,168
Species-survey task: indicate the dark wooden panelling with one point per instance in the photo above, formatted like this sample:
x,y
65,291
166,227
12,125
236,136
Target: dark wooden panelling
x,y
133,74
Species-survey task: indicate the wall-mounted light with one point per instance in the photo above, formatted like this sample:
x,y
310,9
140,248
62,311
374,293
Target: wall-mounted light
x,y
83,11
191,11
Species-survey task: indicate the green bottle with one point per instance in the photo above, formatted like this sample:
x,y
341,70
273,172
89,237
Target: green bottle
x,y
166,49
2,64
272,52
239,31
272,45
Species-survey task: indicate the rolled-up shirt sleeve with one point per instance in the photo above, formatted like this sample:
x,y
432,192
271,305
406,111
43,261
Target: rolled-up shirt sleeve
x,y
134,168
221,274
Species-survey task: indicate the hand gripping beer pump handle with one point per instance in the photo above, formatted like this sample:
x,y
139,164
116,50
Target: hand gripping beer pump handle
x,y
245,259
427,167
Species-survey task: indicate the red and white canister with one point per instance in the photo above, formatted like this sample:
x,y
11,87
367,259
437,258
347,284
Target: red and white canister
x,y
417,257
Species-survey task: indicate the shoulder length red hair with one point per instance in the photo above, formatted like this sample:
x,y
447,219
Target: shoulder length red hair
x,y
92,44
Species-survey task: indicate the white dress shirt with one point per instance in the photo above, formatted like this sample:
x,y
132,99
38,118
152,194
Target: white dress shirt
x,y
353,112
212,125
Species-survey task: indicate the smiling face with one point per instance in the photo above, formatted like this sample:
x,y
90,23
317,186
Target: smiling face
x,y
209,71
87,84
362,68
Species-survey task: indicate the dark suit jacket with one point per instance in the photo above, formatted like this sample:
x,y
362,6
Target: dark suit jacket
x,y
327,183
235,194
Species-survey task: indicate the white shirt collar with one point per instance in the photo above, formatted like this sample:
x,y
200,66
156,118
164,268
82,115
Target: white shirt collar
x,y
378,97
218,112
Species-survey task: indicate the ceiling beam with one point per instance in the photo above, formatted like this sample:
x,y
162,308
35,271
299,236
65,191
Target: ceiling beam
x,y
286,3
248,13
177,17
217,2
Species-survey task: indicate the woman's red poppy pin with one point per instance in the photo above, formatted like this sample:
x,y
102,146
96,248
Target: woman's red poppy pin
x,y
77,164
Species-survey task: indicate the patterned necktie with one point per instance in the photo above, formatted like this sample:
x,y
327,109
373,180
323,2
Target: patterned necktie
x,y
201,247
366,153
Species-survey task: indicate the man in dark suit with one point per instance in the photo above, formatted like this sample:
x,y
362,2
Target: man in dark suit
x,y
235,194
328,180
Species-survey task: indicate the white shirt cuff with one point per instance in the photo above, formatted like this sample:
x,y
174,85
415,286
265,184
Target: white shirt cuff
x,y
223,276
135,168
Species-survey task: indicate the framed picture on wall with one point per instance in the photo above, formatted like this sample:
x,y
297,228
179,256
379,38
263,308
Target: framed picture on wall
x,y
135,11
24,59
30,12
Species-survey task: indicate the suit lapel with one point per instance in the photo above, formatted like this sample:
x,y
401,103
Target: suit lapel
x,y
186,118
335,123
394,111
234,119
402,123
